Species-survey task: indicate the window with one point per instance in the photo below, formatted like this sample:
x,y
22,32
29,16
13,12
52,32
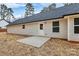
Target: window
x,y
23,26
76,25
41,26
55,26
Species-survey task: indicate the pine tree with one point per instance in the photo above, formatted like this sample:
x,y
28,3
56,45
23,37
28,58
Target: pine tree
x,y
66,4
52,6
44,10
29,9
49,8
6,13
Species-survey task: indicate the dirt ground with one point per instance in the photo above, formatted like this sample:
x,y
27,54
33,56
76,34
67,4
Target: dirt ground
x,y
54,47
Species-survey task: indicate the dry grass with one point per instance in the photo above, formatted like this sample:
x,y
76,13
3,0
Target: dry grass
x,y
54,47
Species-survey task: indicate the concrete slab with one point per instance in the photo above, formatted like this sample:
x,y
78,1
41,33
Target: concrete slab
x,y
34,41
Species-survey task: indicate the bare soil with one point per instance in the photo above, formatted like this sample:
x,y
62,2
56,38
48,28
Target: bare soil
x,y
3,30
54,47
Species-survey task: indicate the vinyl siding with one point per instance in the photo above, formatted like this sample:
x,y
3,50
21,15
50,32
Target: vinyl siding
x,y
34,29
71,35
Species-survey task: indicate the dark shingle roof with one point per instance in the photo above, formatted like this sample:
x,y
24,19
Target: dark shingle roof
x,y
57,13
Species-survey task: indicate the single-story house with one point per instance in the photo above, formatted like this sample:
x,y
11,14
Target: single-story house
x,y
62,22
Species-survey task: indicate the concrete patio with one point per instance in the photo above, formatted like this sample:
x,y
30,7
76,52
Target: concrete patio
x,y
35,41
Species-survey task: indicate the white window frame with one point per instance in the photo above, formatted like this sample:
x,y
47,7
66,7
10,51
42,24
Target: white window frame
x,y
55,27
75,26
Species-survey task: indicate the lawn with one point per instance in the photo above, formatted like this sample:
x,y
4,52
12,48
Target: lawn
x,y
54,47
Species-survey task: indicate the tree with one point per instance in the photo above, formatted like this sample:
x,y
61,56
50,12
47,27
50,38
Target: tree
x,y
29,9
9,14
66,4
5,13
49,8
52,6
3,9
44,10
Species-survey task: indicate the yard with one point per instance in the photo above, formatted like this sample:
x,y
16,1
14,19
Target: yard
x,y
57,47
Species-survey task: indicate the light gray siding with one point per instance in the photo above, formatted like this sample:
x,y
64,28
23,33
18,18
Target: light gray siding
x,y
34,29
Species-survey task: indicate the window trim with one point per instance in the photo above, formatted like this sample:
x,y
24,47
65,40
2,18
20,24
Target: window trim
x,y
55,27
23,26
75,26
41,28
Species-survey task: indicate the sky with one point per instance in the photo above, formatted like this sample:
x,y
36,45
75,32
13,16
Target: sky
x,y
19,9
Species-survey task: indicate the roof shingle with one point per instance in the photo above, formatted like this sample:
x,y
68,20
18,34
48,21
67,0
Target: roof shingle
x,y
57,13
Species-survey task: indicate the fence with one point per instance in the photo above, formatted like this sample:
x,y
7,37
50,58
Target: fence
x,y
3,30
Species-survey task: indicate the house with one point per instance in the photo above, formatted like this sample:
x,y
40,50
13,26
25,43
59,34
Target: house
x,y
63,22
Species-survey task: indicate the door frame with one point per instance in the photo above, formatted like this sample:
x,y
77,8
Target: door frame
x,y
41,29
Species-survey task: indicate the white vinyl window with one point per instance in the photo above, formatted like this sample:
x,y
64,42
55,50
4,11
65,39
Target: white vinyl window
x,y
55,26
41,26
76,25
23,26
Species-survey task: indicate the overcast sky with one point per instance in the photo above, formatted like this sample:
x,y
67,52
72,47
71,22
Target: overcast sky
x,y
19,9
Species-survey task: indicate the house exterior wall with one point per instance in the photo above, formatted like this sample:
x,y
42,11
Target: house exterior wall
x,y
62,29
34,29
30,29
66,28
71,35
